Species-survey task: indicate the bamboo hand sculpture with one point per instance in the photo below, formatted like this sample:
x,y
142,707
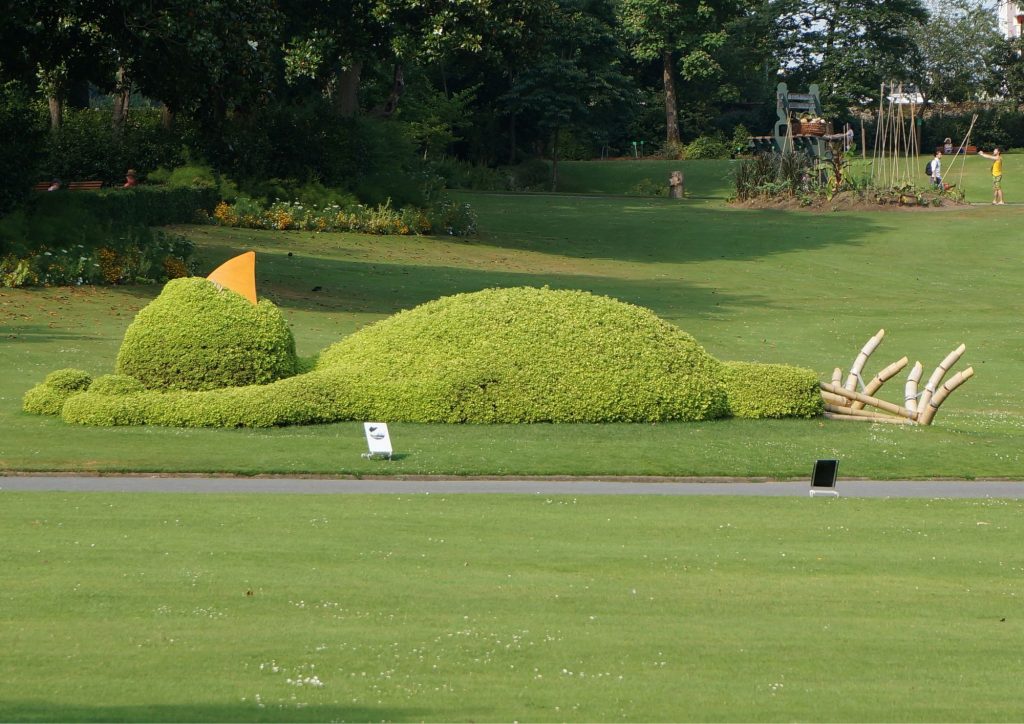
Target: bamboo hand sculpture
x,y
844,402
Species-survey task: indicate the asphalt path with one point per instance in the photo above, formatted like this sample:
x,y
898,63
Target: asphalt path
x,y
589,486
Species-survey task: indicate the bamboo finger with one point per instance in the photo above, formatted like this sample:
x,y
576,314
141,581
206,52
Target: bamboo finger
x,y
869,400
938,374
933,406
874,418
910,389
862,358
880,379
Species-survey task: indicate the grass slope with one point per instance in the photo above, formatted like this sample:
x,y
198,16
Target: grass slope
x,y
766,286
492,608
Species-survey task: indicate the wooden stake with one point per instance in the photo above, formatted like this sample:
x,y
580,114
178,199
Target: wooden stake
x,y
933,406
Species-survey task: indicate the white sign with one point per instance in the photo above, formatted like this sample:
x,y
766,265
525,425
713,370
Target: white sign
x,y
377,439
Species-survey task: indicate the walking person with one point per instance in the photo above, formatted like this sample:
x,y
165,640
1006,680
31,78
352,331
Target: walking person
x,y
935,170
997,174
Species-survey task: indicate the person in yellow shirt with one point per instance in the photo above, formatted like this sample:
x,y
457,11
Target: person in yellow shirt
x,y
997,174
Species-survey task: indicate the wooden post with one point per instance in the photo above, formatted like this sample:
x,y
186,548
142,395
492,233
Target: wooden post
x,y
676,185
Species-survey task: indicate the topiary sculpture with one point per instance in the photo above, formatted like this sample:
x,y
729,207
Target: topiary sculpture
x,y
204,356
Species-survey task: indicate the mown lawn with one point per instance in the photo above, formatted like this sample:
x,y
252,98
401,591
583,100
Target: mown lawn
x,y
772,286
158,607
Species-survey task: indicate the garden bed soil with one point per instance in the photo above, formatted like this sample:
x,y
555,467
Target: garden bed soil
x,y
851,201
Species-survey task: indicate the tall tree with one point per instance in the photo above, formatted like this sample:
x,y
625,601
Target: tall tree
x,y
849,47
685,37
576,83
956,45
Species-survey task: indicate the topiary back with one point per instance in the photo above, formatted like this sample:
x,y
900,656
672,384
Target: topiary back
x,y
529,355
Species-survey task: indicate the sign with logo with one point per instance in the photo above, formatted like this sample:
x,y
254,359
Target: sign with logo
x,y
378,440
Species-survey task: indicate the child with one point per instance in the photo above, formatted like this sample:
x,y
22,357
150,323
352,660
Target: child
x,y
130,181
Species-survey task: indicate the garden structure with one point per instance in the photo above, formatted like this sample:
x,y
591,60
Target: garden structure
x,y
800,125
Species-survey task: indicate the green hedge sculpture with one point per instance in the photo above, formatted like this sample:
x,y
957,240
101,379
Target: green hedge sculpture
x,y
200,356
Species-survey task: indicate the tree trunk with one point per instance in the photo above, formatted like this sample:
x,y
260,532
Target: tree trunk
x,y
512,140
122,97
554,159
397,89
671,111
348,90
56,104
166,117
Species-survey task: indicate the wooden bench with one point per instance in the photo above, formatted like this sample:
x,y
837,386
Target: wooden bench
x,y
72,186
85,185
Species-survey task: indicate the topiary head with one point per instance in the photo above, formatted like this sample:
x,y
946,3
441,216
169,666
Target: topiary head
x,y
197,336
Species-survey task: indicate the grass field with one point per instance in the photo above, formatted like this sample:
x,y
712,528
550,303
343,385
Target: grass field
x,y
163,607
771,286
499,608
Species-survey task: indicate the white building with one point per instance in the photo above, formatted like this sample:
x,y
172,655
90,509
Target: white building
x,y
1011,17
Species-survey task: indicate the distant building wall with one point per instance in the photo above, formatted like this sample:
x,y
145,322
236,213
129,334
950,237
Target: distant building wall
x,y
1008,25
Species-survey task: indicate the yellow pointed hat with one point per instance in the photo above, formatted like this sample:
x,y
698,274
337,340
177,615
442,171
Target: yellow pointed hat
x,y
237,274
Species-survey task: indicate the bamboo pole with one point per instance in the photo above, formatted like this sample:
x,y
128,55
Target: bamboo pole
x,y
867,399
831,399
910,389
843,410
837,376
876,418
938,374
862,358
880,379
933,405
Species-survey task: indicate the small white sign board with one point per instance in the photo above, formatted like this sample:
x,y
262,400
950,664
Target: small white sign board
x,y
377,439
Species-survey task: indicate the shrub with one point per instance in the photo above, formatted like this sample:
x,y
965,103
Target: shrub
x,y
195,336
532,175
116,385
21,147
771,390
713,147
529,355
49,396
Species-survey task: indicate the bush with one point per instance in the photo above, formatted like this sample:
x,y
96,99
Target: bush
x,y
116,385
532,175
84,147
21,148
529,355
497,356
49,396
195,336
771,390
705,147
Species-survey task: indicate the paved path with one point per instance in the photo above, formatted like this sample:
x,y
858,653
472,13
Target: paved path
x,y
848,489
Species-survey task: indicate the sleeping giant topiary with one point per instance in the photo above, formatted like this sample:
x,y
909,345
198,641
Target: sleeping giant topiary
x,y
201,356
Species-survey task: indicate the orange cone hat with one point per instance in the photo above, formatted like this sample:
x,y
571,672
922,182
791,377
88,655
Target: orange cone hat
x,y
237,274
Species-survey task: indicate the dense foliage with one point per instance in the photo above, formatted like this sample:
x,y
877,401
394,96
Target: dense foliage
x,y
195,336
201,357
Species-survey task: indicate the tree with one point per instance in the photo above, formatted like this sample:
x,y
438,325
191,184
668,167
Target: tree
x,y
1006,70
576,82
956,45
849,47
682,35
